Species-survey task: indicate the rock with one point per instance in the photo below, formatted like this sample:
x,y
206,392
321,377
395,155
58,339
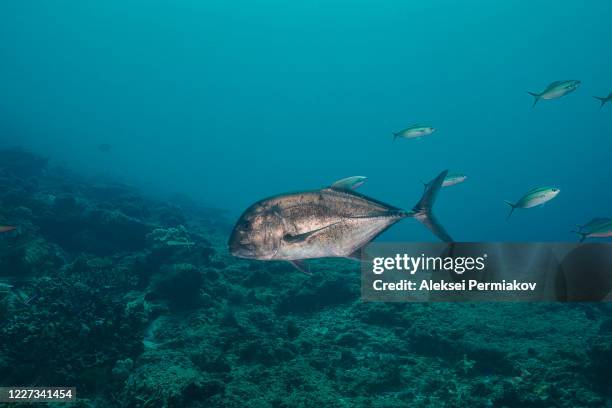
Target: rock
x,y
122,368
168,378
319,293
116,228
180,284
31,257
21,163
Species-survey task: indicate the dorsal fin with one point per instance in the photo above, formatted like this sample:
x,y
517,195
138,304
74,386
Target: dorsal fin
x,y
301,266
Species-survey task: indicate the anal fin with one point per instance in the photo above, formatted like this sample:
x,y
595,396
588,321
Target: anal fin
x,y
301,266
355,256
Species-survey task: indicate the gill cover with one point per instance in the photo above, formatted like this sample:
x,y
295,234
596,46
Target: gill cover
x,y
258,233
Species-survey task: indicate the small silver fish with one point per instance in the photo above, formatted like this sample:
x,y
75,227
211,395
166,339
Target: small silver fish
x,y
600,229
556,90
450,180
414,132
604,99
533,198
453,179
349,183
323,223
593,224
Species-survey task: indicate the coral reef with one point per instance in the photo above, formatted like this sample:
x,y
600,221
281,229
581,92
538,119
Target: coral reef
x,y
137,303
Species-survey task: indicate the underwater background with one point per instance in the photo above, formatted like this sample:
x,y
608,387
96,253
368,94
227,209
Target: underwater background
x,y
134,133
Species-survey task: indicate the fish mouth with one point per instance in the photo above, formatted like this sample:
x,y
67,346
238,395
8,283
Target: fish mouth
x,y
241,249
237,246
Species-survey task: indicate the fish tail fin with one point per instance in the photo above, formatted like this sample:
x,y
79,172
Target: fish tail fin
x,y
395,136
578,231
422,211
536,96
602,100
512,207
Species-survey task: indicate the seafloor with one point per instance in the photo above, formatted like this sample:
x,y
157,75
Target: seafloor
x,y
137,303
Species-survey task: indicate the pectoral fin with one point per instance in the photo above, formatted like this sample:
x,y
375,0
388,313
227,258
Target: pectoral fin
x,y
305,235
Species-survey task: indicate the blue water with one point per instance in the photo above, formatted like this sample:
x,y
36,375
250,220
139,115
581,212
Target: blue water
x,y
231,102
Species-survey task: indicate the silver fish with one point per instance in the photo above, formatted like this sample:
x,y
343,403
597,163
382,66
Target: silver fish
x,y
414,132
556,90
349,183
596,228
604,99
331,222
453,179
450,180
593,224
535,197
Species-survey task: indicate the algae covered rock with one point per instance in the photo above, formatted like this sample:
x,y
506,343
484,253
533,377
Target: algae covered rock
x,y
66,330
122,368
118,229
179,284
168,378
21,163
168,237
30,256
320,292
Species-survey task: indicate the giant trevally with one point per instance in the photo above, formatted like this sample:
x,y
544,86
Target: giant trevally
x,y
604,99
601,229
414,132
533,198
556,90
330,222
